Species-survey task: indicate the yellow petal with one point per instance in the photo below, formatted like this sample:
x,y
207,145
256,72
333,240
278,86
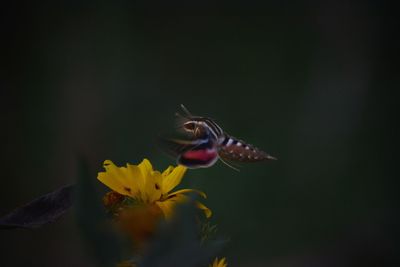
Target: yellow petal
x,y
153,186
133,176
113,184
135,172
206,210
168,206
219,263
116,179
151,181
145,167
184,191
173,178
168,171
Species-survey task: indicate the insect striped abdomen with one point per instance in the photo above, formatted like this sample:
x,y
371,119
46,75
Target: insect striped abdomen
x,y
236,150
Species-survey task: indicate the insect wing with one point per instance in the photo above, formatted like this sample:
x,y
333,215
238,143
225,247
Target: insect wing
x,y
175,147
198,153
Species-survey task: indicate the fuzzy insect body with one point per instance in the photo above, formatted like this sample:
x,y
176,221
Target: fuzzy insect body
x,y
208,143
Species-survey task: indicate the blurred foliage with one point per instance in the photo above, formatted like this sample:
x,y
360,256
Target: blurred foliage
x,y
103,241
178,244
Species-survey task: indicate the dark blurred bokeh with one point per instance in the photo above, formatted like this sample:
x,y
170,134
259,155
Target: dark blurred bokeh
x,y
310,82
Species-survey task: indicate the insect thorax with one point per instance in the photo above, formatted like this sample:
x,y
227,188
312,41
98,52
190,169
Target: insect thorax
x,y
202,126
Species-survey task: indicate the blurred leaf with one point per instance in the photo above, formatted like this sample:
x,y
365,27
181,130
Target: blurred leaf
x,y
41,211
177,244
104,243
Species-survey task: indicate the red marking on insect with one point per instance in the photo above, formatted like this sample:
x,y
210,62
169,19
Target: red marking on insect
x,y
204,154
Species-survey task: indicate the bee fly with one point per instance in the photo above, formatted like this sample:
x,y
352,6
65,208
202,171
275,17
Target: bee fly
x,y
208,142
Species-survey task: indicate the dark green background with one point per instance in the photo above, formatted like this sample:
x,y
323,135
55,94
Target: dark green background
x,y
311,83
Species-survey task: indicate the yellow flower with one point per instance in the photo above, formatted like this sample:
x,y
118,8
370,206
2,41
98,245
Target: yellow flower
x,y
148,186
219,263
